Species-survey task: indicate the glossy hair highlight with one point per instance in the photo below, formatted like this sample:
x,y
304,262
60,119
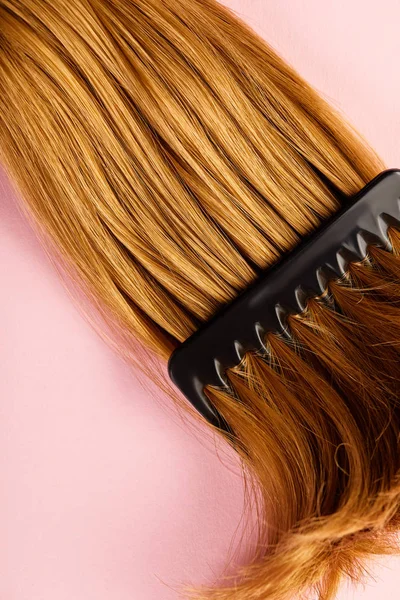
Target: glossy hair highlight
x,y
171,155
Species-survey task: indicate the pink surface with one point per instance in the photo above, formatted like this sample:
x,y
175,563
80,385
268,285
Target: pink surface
x,y
104,495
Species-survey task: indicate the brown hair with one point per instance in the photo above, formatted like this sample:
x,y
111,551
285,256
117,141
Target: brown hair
x,y
171,155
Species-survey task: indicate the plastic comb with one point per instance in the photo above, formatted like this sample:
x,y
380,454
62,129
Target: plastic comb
x,y
241,325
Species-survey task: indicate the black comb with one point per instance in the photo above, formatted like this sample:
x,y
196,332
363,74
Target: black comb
x,y
283,289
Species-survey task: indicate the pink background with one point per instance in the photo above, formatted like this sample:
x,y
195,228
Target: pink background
x,y
104,494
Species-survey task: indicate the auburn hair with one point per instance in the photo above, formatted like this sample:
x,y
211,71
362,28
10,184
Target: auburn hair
x,y
171,155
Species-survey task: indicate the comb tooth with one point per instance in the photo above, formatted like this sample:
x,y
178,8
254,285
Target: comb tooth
x,y
291,303
282,315
261,333
322,279
341,263
334,267
220,370
370,224
386,221
325,275
309,286
207,410
301,298
239,349
368,238
362,244
383,225
351,249
347,255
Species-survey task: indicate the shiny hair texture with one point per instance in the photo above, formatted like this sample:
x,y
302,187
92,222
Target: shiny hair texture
x,y
171,155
